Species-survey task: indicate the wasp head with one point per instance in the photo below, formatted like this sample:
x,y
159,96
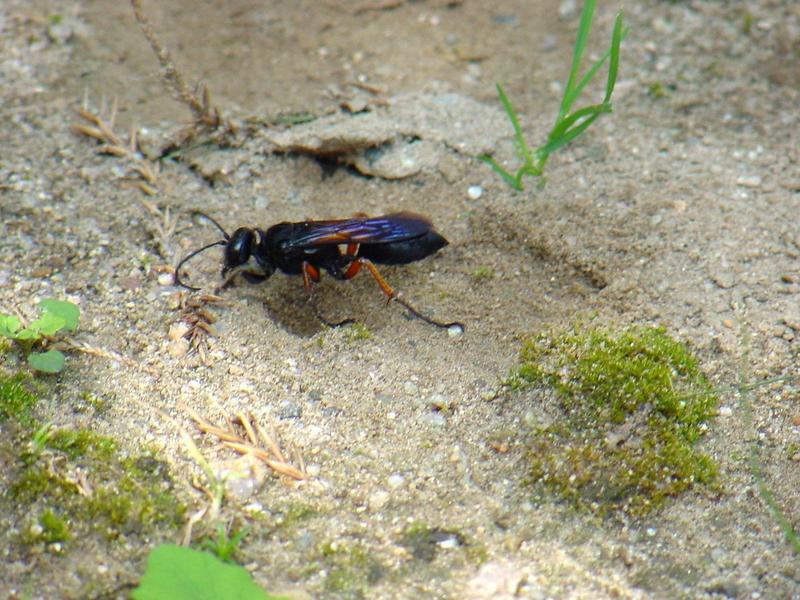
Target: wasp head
x,y
241,247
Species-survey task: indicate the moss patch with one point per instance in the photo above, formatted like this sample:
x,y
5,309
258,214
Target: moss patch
x,y
350,569
69,486
16,402
634,403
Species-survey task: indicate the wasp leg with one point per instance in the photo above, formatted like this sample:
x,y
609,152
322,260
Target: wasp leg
x,y
311,276
356,265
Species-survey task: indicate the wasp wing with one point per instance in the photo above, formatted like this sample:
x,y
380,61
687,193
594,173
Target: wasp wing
x,y
376,230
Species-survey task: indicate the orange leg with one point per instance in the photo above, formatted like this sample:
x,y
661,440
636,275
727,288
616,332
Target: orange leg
x,y
310,274
392,295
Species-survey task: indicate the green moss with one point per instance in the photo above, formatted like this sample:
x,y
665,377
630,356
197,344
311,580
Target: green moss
x,y
357,332
16,402
424,541
482,273
54,528
77,478
350,569
634,403
81,442
294,514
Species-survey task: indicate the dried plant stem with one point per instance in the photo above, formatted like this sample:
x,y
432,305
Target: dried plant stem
x,y
201,108
251,445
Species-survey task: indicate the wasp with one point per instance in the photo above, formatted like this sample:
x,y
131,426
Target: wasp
x,y
340,247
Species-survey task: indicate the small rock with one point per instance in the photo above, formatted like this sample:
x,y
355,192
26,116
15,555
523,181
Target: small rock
x,y
725,411
378,500
495,581
289,410
313,470
749,181
177,331
129,283
438,402
236,370
166,279
724,279
178,348
455,330
395,481
474,192
41,272
434,419
567,9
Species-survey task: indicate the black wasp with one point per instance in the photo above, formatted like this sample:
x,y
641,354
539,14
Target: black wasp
x,y
340,247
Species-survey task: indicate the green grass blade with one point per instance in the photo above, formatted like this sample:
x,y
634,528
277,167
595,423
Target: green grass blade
x,y
613,67
613,63
560,130
554,145
512,116
580,46
507,177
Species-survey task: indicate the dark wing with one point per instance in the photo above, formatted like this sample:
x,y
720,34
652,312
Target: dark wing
x,y
378,230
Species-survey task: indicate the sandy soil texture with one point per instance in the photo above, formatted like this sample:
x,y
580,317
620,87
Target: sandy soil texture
x,y
680,209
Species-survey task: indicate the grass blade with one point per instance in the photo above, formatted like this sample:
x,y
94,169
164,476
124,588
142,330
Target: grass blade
x,y
580,45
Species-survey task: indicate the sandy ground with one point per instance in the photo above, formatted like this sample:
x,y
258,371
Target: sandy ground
x,y
680,209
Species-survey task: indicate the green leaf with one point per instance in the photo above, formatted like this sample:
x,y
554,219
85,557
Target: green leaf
x,y
9,325
180,573
60,308
27,334
51,361
48,324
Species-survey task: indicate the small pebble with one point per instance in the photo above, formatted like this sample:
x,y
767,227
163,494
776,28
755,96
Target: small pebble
x,y
749,181
725,411
166,279
567,9
455,330
178,348
438,402
396,481
177,331
434,419
313,469
474,192
236,370
289,410
650,531
378,500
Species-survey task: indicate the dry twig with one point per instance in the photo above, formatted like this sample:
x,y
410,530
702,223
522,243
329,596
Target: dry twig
x,y
260,445
72,344
144,173
162,228
197,322
204,113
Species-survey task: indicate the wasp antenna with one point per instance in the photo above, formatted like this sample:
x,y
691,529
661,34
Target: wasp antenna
x,y
190,256
199,213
